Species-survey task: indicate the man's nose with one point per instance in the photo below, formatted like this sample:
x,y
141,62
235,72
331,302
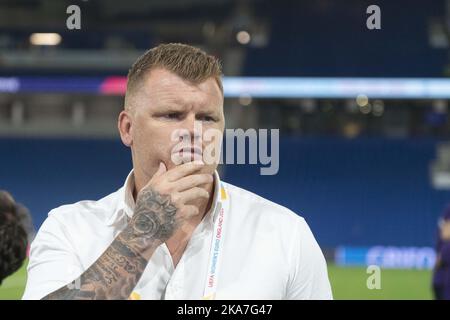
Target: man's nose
x,y
194,128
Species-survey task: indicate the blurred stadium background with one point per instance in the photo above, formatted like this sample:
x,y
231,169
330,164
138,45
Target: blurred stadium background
x,y
363,115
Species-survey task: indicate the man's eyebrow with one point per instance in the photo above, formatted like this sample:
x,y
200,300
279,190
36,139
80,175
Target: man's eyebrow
x,y
164,107
207,112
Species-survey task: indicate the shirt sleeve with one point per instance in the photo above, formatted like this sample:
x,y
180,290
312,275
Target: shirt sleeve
x,y
309,275
53,262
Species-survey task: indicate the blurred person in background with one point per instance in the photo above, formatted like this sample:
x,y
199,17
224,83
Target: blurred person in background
x,y
441,277
16,228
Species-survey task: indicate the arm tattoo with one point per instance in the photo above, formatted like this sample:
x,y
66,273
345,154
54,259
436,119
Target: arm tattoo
x,y
115,274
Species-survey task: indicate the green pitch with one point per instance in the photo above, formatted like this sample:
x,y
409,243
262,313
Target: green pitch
x,y
351,283
12,287
347,283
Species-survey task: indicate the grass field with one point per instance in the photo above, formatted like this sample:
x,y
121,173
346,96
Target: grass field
x,y
347,283
13,286
350,283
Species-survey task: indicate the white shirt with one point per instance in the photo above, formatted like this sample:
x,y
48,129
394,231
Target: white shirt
x,y
267,251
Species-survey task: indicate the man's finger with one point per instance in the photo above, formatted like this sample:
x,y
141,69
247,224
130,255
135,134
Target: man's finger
x,y
191,194
189,211
183,170
162,168
193,180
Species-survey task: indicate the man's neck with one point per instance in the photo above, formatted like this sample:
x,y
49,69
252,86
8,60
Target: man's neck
x,y
178,241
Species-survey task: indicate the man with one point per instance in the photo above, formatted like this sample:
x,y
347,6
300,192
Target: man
x,y
13,235
174,230
441,275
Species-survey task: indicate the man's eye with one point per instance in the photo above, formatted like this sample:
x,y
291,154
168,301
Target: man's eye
x,y
208,118
172,115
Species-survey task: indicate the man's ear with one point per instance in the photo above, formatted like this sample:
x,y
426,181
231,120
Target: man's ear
x,y
124,125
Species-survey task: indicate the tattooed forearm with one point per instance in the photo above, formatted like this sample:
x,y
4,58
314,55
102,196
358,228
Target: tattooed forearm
x,y
115,274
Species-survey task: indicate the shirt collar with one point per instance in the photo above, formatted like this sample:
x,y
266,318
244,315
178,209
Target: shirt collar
x,y
126,203
211,215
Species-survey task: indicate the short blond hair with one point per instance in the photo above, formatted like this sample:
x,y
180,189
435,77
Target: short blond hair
x,y
187,62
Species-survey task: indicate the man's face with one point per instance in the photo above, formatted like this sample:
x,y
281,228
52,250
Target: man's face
x,y
168,121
